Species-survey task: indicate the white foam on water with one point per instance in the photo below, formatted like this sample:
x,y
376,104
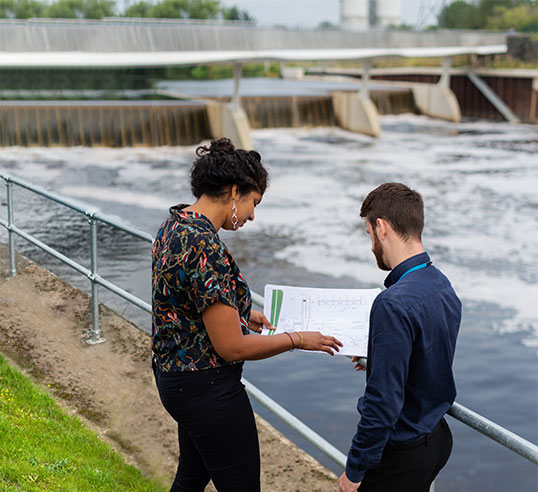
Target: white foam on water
x,y
479,181
480,190
67,171
114,195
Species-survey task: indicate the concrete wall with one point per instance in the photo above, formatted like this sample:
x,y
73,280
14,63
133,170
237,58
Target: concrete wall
x,y
230,122
356,113
436,101
116,34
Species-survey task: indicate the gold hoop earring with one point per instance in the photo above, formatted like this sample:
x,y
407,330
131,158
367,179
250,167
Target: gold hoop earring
x,y
235,220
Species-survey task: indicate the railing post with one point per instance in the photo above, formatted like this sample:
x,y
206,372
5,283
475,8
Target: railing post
x,y
236,101
444,80
11,234
366,66
96,334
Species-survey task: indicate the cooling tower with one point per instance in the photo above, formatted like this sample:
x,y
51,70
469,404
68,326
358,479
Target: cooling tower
x,y
354,14
362,14
388,12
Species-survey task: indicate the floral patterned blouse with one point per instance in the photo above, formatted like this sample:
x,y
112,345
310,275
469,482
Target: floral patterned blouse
x,y
192,269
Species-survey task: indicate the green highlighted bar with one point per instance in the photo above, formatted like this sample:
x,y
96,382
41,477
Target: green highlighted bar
x,y
276,306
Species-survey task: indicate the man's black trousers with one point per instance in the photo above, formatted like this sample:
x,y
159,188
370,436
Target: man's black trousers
x,y
411,467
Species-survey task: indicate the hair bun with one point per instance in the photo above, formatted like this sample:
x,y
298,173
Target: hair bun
x,y
222,145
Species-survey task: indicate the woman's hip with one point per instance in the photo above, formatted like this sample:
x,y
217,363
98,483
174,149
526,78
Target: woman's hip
x,y
201,394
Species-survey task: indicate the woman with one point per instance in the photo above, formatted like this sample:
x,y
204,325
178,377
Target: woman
x,y
201,321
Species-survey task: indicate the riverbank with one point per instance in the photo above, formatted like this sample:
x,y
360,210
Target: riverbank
x,y
44,325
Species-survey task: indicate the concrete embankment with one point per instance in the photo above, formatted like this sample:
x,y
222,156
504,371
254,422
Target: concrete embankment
x,y
44,325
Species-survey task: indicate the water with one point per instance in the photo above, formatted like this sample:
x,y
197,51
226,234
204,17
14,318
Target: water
x,y
480,185
262,86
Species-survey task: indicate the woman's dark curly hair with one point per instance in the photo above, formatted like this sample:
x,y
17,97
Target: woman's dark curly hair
x,y
222,165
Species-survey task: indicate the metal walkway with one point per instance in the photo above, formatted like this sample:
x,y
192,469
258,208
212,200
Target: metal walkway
x,y
117,43
154,35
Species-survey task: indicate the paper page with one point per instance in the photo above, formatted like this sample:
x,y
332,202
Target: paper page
x,y
341,313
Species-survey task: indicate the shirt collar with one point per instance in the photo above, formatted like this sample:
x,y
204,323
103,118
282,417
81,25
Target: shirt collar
x,y
194,218
405,265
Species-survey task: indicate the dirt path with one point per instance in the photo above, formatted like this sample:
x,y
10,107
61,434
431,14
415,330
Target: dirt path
x,y
44,325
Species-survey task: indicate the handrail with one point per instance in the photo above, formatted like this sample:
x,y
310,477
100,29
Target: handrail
x,y
495,432
508,439
78,207
92,274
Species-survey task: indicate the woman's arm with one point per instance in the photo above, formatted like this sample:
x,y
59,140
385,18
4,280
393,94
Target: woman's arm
x,y
224,330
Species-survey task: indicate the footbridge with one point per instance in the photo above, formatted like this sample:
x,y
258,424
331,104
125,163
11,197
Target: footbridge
x,y
123,43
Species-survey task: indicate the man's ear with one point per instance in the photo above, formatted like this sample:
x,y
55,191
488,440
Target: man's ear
x,y
382,227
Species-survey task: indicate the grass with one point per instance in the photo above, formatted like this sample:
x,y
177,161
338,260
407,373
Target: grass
x,y
492,61
42,448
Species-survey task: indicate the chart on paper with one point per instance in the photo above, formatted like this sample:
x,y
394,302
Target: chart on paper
x,y
341,313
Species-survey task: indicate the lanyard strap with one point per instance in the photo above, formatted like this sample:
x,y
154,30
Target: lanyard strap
x,y
412,269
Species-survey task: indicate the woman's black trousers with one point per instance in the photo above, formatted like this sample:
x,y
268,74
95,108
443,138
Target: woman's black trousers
x,y
217,433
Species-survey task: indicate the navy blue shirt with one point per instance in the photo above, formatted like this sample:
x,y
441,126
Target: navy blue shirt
x,y
409,382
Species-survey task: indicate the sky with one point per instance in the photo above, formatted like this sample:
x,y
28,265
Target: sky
x,y
309,13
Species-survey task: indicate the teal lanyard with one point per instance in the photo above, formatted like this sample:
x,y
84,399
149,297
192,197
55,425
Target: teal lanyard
x,y
418,267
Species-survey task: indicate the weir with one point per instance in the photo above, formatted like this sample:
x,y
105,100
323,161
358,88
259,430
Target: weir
x,y
516,88
128,43
158,123
111,124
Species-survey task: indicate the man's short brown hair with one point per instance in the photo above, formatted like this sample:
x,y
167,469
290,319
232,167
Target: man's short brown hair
x,y
399,205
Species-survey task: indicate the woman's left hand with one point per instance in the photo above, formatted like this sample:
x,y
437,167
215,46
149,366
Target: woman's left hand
x,y
258,321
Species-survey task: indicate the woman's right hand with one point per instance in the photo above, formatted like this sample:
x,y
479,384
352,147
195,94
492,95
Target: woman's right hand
x,y
314,340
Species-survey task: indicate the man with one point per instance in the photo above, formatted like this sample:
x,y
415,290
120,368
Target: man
x,y
402,439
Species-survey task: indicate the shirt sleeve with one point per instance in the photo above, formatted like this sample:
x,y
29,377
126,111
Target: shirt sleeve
x,y
391,345
209,274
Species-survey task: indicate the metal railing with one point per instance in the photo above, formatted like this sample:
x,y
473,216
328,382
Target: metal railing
x,y
508,439
94,216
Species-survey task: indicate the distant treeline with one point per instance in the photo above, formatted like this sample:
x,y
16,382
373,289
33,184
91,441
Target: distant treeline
x,y
517,15
113,80
97,9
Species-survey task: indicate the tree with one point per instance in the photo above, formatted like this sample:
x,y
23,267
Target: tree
x,y
523,18
97,9
65,9
487,7
185,9
139,9
460,15
23,9
233,13
7,9
327,25
203,9
521,15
